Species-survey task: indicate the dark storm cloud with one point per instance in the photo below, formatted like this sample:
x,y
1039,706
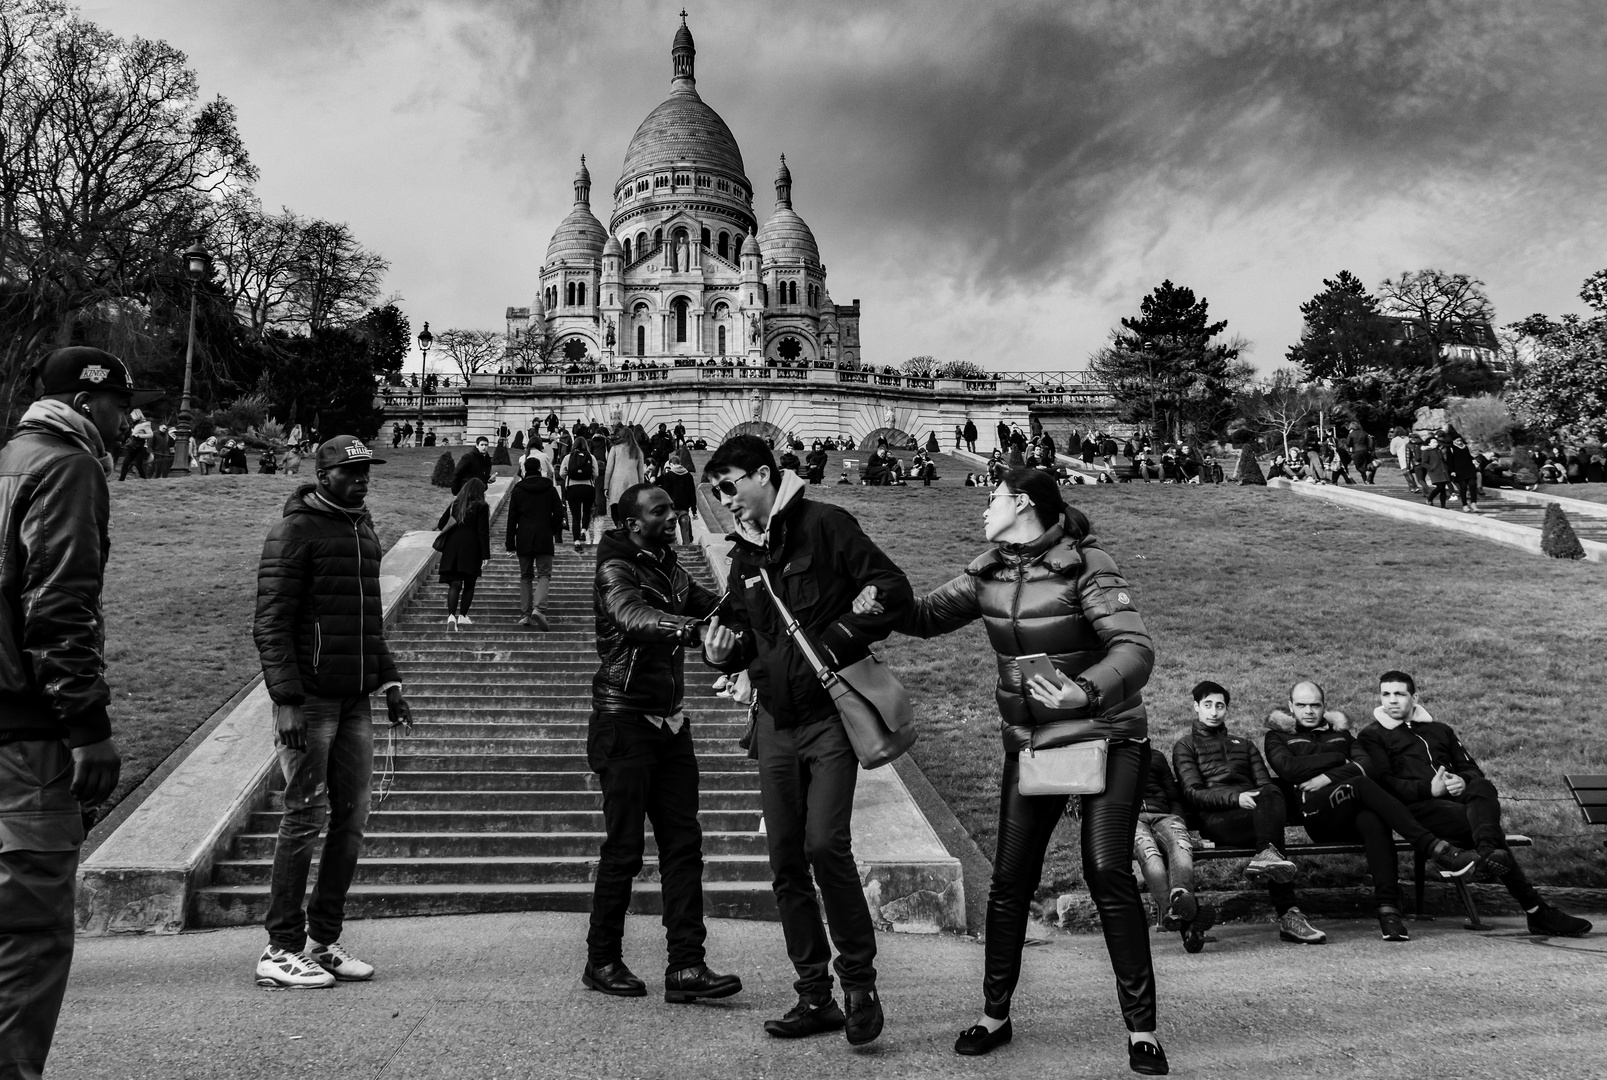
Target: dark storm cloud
x,y
1015,132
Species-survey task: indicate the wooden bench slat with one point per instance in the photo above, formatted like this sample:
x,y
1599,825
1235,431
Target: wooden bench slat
x,y
1591,798
1595,815
1585,781
1319,850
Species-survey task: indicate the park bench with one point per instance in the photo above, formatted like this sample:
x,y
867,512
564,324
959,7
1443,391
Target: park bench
x,y
1205,851
1590,792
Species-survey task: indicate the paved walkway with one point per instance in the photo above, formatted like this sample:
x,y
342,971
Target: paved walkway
x,y
487,996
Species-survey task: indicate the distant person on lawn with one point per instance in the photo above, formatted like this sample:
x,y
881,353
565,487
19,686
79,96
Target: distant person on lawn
x,y
475,463
639,743
1423,763
1327,774
320,632
1227,784
57,760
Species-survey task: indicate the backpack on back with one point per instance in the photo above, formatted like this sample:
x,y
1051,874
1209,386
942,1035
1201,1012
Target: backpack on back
x,y
580,468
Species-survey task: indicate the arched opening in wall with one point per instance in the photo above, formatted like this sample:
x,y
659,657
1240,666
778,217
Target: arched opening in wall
x,y
721,335
658,238
705,238
896,439
736,245
641,243
789,349
575,350
627,249
580,293
723,248
680,320
679,252
641,341
762,428
569,294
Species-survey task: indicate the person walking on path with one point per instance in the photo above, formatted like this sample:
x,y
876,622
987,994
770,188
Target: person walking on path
x,y
466,547
57,758
578,474
1464,473
816,558
475,463
677,480
626,468
535,520
320,633
136,452
1436,471
1047,587
970,435
639,743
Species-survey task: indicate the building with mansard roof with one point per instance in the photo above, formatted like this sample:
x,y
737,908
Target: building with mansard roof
x,y
684,271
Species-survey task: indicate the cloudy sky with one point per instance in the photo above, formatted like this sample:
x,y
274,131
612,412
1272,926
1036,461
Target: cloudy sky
x,y
998,181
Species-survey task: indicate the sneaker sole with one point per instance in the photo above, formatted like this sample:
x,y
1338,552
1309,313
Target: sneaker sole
x,y
775,1032
1454,871
1291,939
268,983
349,978
1277,873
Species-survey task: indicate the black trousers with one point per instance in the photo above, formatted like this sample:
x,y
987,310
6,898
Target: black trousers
x,y
1360,809
807,776
648,773
1258,828
1026,822
1470,819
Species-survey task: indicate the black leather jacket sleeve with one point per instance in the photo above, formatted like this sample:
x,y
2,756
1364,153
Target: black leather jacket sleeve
x,y
65,544
636,619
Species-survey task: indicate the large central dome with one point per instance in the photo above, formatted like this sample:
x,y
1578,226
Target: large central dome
x,y
683,130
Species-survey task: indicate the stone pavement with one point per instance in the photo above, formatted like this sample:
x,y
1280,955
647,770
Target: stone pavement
x,y
488,996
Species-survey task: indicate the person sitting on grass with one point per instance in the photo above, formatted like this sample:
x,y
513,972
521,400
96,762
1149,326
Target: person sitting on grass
x,y
1226,783
1423,763
1165,855
1324,772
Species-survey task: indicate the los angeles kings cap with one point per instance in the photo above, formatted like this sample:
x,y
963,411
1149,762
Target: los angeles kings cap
x,y
67,371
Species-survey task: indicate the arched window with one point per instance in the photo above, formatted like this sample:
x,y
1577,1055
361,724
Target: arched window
x,y
722,340
627,249
705,238
658,237
569,294
723,249
580,293
736,246
641,243
680,320
641,341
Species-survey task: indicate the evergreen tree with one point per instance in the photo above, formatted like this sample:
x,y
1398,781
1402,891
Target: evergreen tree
x,y
1344,334
1557,537
445,469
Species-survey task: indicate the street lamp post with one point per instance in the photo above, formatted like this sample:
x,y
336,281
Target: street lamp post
x,y
425,340
195,265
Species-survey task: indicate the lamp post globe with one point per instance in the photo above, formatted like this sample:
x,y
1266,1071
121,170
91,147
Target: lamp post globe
x,y
425,340
197,265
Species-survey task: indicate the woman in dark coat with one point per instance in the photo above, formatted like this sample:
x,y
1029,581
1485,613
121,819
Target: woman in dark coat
x,y
535,519
1047,587
465,549
1436,471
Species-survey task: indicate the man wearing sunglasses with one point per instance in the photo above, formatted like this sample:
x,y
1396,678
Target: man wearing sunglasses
x,y
817,559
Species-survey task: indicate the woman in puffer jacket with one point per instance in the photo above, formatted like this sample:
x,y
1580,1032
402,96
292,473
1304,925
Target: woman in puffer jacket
x,y
1047,587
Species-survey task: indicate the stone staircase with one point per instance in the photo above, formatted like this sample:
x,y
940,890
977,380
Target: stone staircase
x,y
491,806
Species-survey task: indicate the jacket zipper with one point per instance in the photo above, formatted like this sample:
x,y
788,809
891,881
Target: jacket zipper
x,y
317,645
630,667
361,604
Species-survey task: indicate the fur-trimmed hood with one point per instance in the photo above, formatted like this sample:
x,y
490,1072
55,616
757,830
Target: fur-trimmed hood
x,y
1419,716
1283,720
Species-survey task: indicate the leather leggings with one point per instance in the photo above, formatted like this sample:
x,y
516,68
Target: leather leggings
x,y
1108,819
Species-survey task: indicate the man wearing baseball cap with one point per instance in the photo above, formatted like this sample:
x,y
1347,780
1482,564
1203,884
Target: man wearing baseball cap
x,y
320,634
57,760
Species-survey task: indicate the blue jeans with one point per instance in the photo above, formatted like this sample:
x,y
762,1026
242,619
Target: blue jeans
x,y
330,780
1164,852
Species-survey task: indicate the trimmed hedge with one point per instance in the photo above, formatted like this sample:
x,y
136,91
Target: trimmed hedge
x,y
1557,537
445,468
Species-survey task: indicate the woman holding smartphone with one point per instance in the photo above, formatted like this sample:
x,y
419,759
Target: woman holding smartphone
x,y
1046,587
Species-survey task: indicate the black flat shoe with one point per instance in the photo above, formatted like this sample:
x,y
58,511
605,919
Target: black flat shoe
x,y
864,1021
977,1040
805,1019
1147,1058
692,983
614,979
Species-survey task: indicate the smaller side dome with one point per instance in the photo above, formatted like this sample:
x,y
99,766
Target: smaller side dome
x,y
613,248
784,235
750,246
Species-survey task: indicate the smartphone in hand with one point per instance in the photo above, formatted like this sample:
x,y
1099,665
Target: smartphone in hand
x,y
1039,664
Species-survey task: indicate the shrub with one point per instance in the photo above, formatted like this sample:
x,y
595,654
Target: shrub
x,y
1484,421
518,440
1241,436
1249,473
445,468
1557,537
499,456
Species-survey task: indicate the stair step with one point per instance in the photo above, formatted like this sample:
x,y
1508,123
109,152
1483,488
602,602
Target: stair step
x,y
492,869
511,821
580,799
452,845
490,729
247,905
724,759
555,780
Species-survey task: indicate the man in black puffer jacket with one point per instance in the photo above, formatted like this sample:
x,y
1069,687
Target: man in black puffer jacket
x,y
1326,774
639,743
1227,786
320,632
1423,763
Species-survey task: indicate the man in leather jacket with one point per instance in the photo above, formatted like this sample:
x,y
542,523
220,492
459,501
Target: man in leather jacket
x,y
639,743
57,761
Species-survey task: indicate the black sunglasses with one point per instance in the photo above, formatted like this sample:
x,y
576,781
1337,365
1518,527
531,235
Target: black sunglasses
x,y
728,488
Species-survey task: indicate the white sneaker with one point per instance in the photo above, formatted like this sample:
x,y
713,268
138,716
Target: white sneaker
x,y
291,970
338,962
452,621
464,620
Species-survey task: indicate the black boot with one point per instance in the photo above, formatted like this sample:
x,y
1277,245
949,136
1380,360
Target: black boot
x,y
698,981
806,1018
615,979
864,1016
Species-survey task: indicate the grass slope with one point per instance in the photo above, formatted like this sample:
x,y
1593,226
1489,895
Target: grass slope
x,y
1256,589
181,589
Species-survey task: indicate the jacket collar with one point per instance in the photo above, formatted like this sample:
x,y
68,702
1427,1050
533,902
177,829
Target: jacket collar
x,y
616,544
1419,716
787,495
57,418
1053,549
1284,721
1218,732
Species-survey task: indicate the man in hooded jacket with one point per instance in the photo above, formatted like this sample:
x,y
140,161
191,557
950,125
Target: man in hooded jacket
x,y
320,633
57,760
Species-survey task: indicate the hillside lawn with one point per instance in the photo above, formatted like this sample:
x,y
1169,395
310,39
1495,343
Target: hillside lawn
x,y
181,588
1257,589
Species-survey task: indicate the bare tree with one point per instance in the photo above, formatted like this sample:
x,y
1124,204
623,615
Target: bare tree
x,y
1285,405
1445,305
337,280
473,351
921,367
258,257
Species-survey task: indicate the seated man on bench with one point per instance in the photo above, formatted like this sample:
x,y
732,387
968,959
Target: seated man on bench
x,y
1165,854
1323,771
1423,763
1227,785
